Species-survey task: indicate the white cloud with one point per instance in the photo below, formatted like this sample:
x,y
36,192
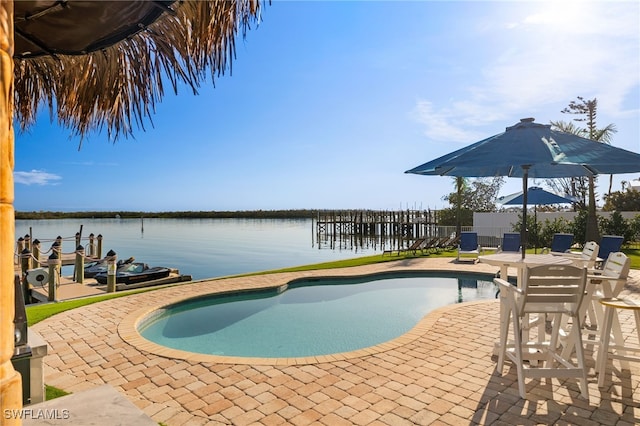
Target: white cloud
x,y
36,177
540,62
439,124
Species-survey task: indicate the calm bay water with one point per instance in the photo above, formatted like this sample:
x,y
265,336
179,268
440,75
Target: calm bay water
x,y
202,248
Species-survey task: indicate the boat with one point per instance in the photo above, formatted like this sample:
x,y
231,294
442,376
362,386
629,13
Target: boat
x,y
135,272
91,269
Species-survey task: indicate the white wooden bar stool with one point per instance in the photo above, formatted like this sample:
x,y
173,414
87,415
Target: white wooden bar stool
x,y
616,351
555,290
605,283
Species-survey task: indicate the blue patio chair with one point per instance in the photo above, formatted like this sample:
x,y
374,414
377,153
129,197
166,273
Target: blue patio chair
x,y
469,246
608,244
561,243
510,242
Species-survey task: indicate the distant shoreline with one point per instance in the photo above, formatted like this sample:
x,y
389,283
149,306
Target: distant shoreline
x,y
251,214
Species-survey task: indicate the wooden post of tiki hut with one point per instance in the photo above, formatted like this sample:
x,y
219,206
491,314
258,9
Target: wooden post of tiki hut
x,y
10,380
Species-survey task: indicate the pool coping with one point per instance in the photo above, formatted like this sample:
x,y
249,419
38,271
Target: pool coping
x,y
128,326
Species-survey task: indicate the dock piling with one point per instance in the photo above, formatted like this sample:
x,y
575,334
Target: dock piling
x,y
371,228
111,271
54,267
78,271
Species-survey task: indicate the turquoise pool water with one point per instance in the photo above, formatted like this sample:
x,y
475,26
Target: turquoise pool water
x,y
310,316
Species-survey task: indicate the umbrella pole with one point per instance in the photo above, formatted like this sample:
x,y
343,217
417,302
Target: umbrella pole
x,y
523,230
535,223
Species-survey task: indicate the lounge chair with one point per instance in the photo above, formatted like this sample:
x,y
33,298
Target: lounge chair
x,y
449,243
468,246
510,242
608,244
561,243
418,244
431,244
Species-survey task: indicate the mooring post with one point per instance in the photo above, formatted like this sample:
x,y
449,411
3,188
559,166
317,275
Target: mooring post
x,y
98,254
25,260
54,263
78,272
111,271
55,248
27,241
78,237
92,248
19,247
36,253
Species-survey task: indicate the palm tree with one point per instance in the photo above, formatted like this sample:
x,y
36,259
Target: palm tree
x,y
588,109
461,185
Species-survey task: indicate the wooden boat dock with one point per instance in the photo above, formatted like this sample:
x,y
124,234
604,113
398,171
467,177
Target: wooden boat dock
x,y
404,223
68,289
377,229
29,256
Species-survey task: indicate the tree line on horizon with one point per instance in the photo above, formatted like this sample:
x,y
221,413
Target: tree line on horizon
x,y
251,214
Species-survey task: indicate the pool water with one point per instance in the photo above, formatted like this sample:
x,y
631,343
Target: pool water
x,y
310,316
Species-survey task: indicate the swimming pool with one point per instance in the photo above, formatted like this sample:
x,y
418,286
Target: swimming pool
x,y
310,317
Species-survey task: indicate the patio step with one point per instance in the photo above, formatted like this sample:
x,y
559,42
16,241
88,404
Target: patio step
x,y
100,406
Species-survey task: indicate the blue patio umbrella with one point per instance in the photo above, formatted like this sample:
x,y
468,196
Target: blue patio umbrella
x,y
536,196
529,149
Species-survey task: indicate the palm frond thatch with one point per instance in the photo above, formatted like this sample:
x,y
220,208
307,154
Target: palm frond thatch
x,y
117,87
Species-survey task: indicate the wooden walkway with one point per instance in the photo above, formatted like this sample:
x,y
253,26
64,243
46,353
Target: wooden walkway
x,y
69,289
407,223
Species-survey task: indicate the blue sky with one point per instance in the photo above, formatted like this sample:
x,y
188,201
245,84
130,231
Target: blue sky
x,y
330,102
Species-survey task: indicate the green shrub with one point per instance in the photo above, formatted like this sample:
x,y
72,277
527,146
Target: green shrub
x,y
634,226
617,225
579,227
557,226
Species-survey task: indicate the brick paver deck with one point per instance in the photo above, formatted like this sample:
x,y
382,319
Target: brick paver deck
x,y
442,374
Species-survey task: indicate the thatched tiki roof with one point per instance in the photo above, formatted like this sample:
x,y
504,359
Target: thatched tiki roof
x,y
109,71
96,65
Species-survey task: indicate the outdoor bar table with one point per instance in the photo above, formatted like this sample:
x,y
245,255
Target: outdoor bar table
x,y
515,260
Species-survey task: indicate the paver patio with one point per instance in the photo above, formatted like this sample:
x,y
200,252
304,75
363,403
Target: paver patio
x,y
442,374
